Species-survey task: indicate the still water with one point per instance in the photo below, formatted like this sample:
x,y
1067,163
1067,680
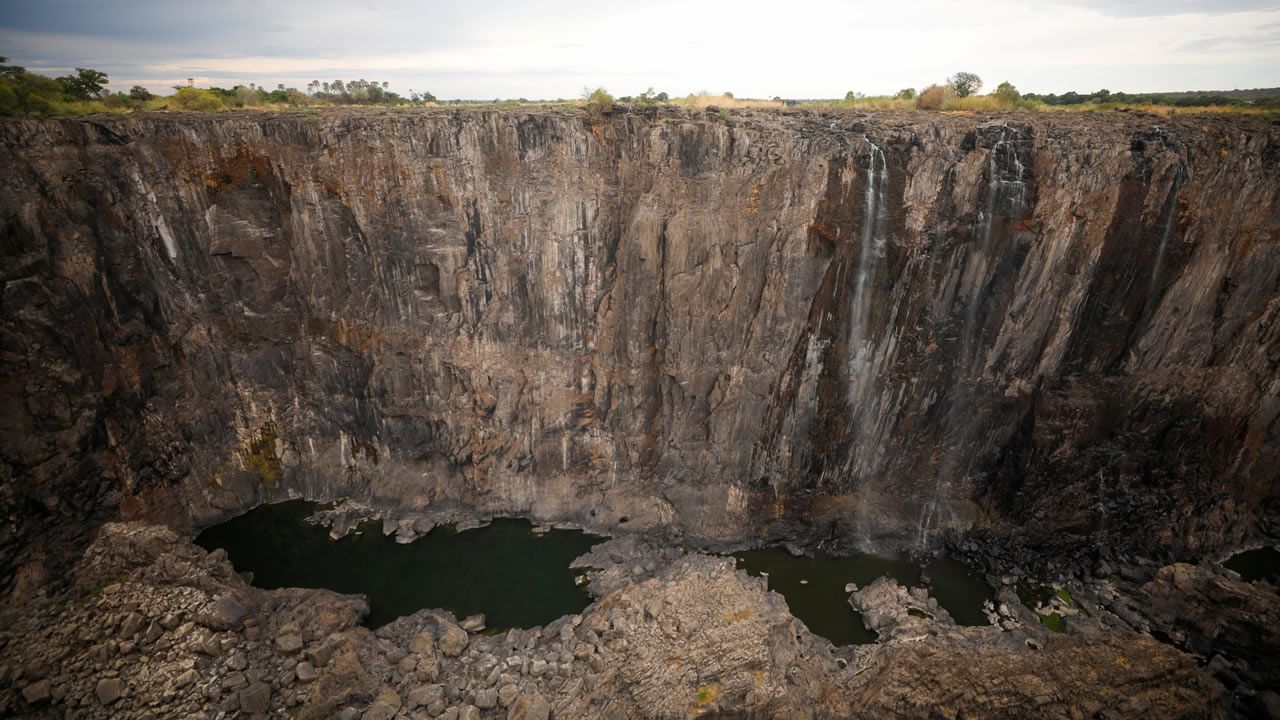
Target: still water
x,y
1258,564
515,577
814,587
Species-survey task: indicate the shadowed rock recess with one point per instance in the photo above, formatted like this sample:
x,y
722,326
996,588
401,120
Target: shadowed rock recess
x,y
1050,342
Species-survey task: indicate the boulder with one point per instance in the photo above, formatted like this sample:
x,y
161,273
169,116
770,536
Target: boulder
x,y
256,699
530,707
453,640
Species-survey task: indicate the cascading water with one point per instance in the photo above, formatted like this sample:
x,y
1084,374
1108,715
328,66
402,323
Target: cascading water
x,y
862,358
1006,193
875,219
1170,216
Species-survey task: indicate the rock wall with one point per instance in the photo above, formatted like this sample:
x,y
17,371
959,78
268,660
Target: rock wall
x,y
881,326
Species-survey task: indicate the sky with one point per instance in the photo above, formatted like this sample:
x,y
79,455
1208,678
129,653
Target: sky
x,y
546,49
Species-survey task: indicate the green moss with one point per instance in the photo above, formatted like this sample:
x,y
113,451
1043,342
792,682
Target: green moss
x,y
261,456
706,694
1065,596
1053,622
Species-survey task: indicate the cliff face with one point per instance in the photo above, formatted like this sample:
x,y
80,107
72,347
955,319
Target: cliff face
x,y
895,323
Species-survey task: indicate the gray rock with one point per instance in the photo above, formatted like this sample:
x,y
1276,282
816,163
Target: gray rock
x,y
422,643
538,667
185,679
305,671
468,712
487,698
475,623
507,694
256,699
530,707
289,644
225,613
425,695
453,640
407,665
131,625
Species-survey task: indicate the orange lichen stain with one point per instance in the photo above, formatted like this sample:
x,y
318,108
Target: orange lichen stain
x,y
738,616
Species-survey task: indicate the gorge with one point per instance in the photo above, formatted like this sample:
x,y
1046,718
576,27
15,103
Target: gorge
x,y
1047,342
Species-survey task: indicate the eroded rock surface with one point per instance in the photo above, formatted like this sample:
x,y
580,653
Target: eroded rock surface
x,y
770,322
696,638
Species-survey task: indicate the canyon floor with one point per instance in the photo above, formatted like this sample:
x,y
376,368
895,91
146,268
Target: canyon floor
x,y
153,626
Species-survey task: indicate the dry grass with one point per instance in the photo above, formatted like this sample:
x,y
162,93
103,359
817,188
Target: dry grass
x,y
704,100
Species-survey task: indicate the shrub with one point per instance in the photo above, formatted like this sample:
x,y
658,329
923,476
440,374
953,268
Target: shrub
x,y
137,92
189,98
906,94
932,97
1007,94
599,101
964,84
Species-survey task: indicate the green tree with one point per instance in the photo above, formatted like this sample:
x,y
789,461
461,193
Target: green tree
x,y
964,84
86,84
851,96
11,71
137,92
906,94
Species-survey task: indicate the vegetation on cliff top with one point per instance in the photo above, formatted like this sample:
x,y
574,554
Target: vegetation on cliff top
x,y
24,93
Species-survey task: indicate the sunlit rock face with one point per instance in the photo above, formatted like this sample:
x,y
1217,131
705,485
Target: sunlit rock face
x,y
880,326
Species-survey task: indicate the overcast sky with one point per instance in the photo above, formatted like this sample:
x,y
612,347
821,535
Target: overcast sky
x,y
484,49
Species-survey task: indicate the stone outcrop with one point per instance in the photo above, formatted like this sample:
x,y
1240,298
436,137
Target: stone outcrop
x,y
726,327
146,631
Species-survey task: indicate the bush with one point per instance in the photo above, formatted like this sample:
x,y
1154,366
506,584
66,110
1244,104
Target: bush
x,y
189,98
599,101
932,97
1007,94
906,94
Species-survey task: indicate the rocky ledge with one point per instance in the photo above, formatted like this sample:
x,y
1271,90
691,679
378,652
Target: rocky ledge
x,y
154,627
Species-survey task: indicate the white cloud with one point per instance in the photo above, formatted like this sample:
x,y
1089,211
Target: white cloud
x,y
804,48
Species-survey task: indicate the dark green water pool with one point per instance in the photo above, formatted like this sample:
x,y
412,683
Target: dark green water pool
x,y
814,587
515,577
1258,564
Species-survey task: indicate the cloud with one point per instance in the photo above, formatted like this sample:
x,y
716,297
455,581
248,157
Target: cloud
x,y
1157,8
553,48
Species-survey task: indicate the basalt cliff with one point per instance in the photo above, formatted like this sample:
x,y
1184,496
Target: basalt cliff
x,y
1052,331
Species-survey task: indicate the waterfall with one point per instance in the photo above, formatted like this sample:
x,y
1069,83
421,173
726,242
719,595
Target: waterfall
x,y
861,348
1005,184
874,221
1006,189
1170,214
